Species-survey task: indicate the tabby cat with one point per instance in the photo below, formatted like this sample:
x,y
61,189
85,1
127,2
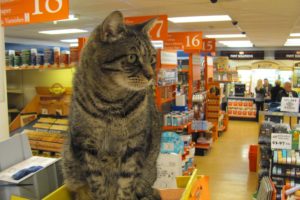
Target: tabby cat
x,y
113,144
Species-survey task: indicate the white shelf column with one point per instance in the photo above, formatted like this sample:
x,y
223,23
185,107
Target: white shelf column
x,y
4,126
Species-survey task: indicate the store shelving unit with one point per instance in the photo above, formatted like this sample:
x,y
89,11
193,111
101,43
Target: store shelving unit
x,y
41,67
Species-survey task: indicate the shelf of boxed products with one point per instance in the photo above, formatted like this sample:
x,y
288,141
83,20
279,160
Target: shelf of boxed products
x,y
41,67
178,121
241,108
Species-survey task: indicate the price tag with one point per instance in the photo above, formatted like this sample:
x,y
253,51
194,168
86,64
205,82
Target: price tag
x,y
289,104
209,45
159,30
281,141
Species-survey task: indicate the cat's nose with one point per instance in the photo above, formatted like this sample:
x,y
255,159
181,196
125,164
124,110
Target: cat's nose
x,y
148,73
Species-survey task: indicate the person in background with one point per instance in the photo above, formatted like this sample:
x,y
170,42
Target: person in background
x,y
275,90
286,92
267,87
260,97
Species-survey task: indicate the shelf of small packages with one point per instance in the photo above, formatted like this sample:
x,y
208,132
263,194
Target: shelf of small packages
x,y
40,67
205,146
179,128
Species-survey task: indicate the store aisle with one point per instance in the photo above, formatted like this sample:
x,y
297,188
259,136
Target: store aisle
x,y
227,163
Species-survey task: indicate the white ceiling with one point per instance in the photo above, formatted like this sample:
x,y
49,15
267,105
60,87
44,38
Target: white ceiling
x,y
267,23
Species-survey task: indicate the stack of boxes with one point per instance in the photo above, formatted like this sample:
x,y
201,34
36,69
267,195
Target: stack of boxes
x,y
241,108
177,118
176,158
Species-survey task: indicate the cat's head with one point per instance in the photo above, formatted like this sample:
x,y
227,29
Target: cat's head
x,y
123,53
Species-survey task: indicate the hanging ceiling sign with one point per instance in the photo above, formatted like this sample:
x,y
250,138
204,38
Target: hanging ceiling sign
x,y
287,55
187,41
209,45
16,12
244,55
159,30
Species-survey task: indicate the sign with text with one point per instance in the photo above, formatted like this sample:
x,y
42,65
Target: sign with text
x,y
168,57
244,55
188,41
16,12
281,141
209,45
159,30
289,104
287,55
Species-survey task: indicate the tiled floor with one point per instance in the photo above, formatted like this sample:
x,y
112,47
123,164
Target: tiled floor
x,y
227,163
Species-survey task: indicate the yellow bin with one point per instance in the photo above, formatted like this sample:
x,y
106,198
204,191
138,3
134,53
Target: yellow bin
x,y
196,188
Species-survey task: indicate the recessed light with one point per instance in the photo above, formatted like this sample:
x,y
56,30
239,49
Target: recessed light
x,y
226,36
63,31
209,18
237,43
295,34
70,40
74,45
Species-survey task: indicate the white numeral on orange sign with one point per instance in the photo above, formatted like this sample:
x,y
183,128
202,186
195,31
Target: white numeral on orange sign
x,y
37,10
195,41
160,23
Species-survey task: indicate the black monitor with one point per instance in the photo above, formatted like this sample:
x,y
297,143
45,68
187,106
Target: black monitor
x,y
239,89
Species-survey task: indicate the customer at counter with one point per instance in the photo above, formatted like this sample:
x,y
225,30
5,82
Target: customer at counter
x,y
267,87
286,92
260,97
275,90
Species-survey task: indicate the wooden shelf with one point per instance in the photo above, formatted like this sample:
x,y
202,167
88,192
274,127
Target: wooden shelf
x,y
184,70
167,100
41,67
171,128
203,146
15,91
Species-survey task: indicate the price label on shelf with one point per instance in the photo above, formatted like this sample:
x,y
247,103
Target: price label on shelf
x,y
16,12
159,30
281,141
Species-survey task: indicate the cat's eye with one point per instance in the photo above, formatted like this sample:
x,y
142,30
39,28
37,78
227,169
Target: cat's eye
x,y
153,60
132,58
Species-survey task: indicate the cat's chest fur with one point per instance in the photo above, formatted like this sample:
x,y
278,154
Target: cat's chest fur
x,y
115,134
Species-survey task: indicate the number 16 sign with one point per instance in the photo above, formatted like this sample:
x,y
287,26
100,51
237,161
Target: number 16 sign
x,y
159,30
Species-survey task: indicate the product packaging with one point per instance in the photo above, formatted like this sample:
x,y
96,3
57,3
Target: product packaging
x,y
48,56
74,56
56,51
25,56
33,57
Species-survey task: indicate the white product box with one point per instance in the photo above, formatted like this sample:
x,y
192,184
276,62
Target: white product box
x,y
181,100
169,166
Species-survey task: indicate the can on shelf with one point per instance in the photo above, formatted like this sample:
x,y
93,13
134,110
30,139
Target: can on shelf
x,y
48,56
40,59
56,51
33,57
25,57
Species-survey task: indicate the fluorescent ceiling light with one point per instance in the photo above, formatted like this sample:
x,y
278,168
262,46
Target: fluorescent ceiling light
x,y
63,31
295,34
71,18
209,18
292,42
74,45
226,36
237,43
70,40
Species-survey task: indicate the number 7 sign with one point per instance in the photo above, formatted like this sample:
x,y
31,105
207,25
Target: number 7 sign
x,y
159,30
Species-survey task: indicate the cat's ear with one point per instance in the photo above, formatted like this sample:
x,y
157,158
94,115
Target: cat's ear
x,y
112,27
146,26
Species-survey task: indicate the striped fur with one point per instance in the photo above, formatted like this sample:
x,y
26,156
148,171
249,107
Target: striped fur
x,y
114,140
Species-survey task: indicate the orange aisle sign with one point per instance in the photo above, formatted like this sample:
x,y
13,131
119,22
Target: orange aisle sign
x,y
209,45
160,29
16,12
188,41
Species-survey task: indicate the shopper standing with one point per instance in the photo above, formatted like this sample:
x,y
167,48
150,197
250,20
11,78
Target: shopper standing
x,y
260,97
286,92
267,87
275,90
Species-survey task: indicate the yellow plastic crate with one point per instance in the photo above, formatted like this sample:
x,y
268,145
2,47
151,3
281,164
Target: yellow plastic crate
x,y
196,188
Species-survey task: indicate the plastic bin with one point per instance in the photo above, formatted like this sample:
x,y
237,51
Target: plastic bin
x,y
252,155
189,188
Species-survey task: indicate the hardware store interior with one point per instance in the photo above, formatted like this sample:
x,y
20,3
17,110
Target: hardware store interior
x,y
150,100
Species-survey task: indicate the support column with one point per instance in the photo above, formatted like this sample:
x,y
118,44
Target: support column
x,y
4,126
